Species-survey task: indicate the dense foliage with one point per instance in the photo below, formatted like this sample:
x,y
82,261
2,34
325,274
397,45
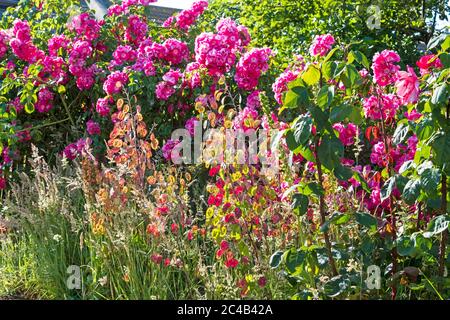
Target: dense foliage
x,y
357,155
288,26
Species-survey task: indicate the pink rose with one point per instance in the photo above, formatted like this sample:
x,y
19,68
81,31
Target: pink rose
x,y
407,86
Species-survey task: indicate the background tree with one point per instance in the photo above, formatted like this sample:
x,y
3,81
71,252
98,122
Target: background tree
x,y
289,26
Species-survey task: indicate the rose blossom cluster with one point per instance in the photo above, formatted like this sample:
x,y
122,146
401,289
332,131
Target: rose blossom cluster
x,y
81,50
172,51
102,106
144,61
192,76
93,128
166,88
124,54
45,100
191,124
4,40
347,133
55,43
115,82
381,107
253,100
75,149
22,45
407,86
187,18
167,149
321,45
396,156
136,30
52,68
85,26
16,104
428,62
217,51
247,119
384,67
175,51
250,67
281,83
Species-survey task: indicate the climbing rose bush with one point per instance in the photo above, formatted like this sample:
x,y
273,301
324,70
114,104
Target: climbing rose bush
x,y
344,132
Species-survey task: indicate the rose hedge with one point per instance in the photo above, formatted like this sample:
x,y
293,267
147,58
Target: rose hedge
x,y
371,132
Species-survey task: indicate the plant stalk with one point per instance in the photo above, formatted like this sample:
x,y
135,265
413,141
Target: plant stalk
x,y
444,235
323,215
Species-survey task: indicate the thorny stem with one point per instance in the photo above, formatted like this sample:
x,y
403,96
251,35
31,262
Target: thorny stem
x,y
43,125
68,111
444,235
323,214
322,201
394,253
419,215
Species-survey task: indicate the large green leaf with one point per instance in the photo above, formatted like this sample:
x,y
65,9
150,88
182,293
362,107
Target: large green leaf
x,y
359,57
300,203
350,76
440,94
441,147
400,134
430,179
339,218
387,188
294,259
325,96
411,191
275,259
300,133
424,129
346,112
320,118
303,95
336,286
405,246
437,225
366,220
343,173
313,188
330,152
311,76
328,69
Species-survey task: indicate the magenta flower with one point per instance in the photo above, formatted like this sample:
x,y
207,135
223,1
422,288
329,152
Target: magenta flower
x,y
164,90
427,62
93,128
383,107
2,183
347,133
102,106
168,147
413,115
45,100
384,67
253,101
115,82
175,51
186,18
280,84
250,67
190,125
321,45
407,86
